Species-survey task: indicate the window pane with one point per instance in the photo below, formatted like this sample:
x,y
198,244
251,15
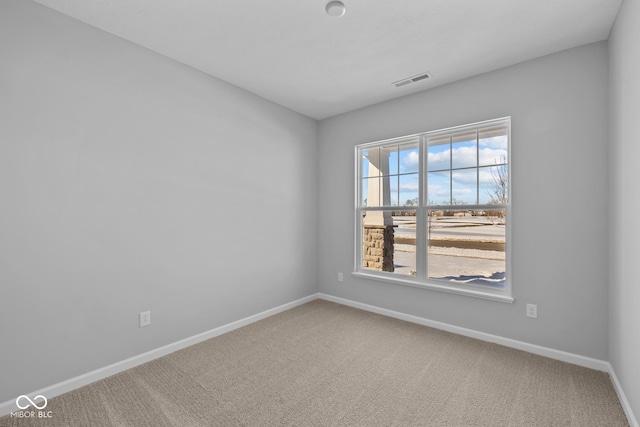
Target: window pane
x,y
494,182
370,192
467,247
464,187
464,150
439,188
383,191
389,241
493,145
390,197
389,159
409,158
408,190
370,162
389,190
438,153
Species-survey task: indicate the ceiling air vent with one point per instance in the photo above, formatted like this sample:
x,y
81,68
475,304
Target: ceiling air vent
x,y
413,79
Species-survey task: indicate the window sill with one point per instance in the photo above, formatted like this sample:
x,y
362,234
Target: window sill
x,y
476,293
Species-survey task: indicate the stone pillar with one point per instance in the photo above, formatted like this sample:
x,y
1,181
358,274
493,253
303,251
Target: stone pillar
x,y
377,251
377,232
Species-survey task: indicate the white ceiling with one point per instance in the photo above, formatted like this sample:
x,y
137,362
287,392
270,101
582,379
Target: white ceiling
x,y
291,52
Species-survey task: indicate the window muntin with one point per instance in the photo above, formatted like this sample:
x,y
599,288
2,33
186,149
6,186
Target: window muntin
x,y
472,158
390,174
442,198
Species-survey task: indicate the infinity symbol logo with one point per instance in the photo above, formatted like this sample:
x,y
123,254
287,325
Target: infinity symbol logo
x,y
31,402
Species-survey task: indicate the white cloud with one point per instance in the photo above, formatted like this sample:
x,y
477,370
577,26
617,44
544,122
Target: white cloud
x,y
411,160
464,157
409,186
492,156
436,191
464,177
499,142
436,161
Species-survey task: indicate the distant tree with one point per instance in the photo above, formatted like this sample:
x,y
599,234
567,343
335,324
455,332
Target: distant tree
x,y
499,191
411,202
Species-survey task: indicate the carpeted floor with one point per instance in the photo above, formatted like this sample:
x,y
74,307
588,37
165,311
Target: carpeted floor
x,y
324,364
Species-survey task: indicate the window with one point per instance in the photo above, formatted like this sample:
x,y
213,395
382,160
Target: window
x,y
433,210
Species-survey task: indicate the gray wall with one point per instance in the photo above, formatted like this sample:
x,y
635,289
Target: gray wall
x,y
559,109
624,294
129,182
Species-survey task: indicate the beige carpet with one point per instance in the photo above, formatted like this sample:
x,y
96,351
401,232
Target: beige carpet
x,y
323,364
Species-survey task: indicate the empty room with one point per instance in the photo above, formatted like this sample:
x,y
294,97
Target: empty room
x,y
319,213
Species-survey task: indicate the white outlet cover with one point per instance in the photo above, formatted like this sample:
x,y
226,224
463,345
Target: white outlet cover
x,y
145,318
532,311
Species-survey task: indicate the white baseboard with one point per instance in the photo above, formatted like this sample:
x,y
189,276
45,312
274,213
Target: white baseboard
x,y
564,356
633,421
93,376
575,359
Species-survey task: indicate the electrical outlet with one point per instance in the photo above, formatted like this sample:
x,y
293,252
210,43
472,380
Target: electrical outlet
x,y
145,318
532,311
340,277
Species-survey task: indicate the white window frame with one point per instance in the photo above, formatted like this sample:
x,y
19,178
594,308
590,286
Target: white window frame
x,y
420,280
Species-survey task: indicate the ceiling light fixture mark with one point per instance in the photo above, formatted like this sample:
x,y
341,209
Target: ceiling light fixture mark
x,y
336,9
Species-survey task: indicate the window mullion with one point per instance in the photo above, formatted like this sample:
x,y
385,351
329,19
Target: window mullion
x,y
450,170
477,167
421,229
357,256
